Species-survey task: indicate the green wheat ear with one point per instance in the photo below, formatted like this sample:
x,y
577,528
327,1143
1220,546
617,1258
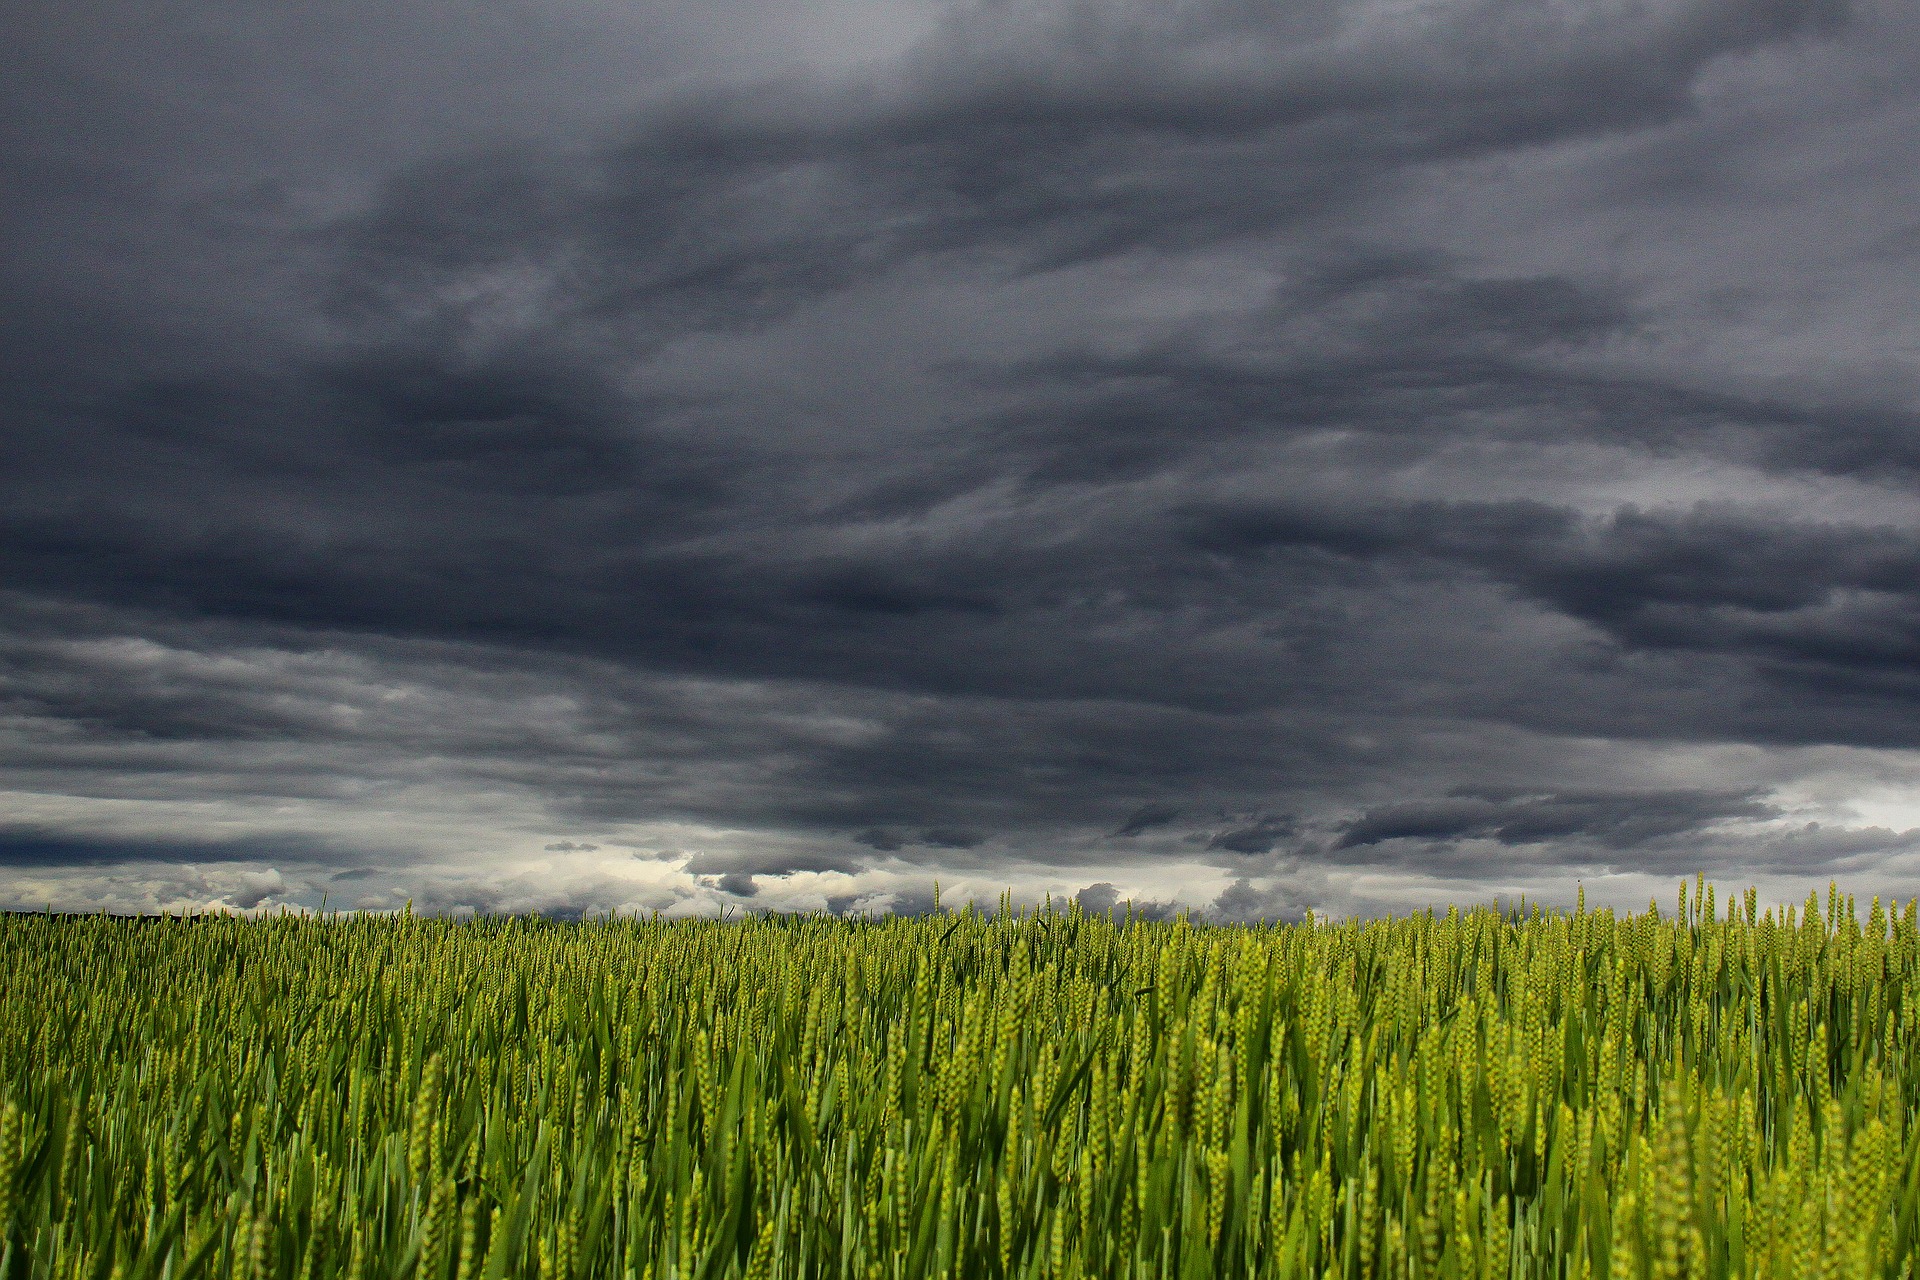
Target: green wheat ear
x,y
9,1163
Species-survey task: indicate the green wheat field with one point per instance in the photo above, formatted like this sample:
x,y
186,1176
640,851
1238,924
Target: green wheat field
x,y
1018,1094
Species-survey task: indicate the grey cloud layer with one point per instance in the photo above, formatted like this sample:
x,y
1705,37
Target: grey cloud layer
x,y
1059,445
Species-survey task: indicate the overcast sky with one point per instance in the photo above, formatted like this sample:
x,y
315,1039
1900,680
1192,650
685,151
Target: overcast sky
x,y
1229,454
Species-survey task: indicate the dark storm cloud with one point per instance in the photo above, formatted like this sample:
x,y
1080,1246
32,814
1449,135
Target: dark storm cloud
x,y
1408,350
1050,138
1258,837
1145,818
420,435
29,847
1097,899
1286,897
951,838
737,883
1831,606
994,456
1618,821
1103,899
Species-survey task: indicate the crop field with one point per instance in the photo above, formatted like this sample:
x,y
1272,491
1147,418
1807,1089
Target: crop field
x,y
1678,1093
